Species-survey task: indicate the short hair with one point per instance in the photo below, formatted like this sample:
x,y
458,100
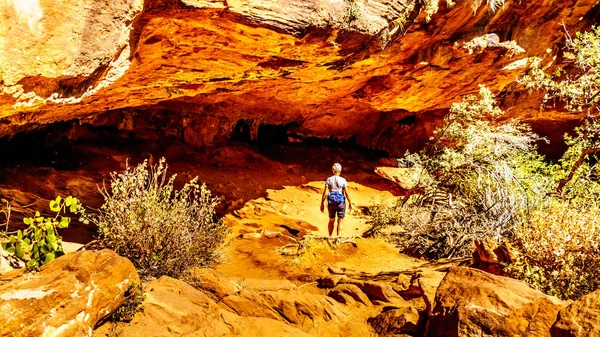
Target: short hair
x,y
337,168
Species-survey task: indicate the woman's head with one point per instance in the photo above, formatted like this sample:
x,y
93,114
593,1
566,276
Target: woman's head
x,y
336,168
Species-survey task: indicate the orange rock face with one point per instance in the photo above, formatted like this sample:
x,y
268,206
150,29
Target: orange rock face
x,y
67,297
200,70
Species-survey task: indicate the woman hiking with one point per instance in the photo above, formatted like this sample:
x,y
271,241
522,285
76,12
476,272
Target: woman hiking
x,y
336,199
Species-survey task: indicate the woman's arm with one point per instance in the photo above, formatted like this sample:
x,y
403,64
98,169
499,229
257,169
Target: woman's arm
x,y
323,198
349,203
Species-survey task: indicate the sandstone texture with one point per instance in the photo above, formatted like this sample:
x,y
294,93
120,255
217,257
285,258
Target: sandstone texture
x,y
580,318
203,72
68,297
470,302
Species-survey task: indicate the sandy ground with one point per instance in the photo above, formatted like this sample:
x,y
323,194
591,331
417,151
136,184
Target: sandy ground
x,y
274,189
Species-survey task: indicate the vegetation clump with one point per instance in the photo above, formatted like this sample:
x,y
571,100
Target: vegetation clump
x,y
163,231
40,242
480,178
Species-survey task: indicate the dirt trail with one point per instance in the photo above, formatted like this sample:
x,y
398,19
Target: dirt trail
x,y
273,189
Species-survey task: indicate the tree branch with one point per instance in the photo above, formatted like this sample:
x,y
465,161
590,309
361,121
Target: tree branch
x,y
578,163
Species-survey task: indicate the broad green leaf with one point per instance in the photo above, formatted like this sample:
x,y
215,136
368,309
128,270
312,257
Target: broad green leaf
x,y
19,234
45,249
73,208
10,250
4,245
37,214
54,206
64,222
19,251
58,199
39,219
28,221
68,201
12,239
27,241
38,234
49,257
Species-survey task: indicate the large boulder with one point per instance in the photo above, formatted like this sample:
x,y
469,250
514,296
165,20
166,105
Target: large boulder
x,y
175,308
67,297
580,318
471,302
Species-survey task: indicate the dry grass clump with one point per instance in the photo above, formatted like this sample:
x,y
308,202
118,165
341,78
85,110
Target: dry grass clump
x,y
163,231
559,251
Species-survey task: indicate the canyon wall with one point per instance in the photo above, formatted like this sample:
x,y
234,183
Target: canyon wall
x,y
376,73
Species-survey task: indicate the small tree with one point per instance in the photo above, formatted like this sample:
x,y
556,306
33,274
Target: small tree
x,y
578,88
161,230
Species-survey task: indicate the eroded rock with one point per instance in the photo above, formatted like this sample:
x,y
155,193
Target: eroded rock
x,y
399,321
175,308
471,302
67,297
581,318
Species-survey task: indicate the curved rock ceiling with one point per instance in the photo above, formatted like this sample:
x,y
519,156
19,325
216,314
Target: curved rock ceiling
x,y
376,72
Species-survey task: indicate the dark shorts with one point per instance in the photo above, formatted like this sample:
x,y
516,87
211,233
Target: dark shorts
x,y
340,210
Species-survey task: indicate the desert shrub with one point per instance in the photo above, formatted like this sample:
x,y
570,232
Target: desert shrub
x,y
40,242
163,231
479,179
134,298
559,250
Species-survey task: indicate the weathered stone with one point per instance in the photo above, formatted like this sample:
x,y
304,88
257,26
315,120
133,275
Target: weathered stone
x,y
67,297
580,319
174,308
399,321
331,281
214,281
491,257
470,302
376,290
343,292
202,68
248,303
407,178
52,43
424,284
296,306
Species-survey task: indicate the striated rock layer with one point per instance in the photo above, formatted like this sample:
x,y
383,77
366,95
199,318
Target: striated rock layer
x,y
376,73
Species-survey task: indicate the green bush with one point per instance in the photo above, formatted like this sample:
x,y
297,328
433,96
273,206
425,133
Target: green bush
x,y
161,230
40,243
478,179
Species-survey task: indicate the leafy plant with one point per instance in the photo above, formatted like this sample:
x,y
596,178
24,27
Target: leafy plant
x,y
163,231
40,243
479,179
134,299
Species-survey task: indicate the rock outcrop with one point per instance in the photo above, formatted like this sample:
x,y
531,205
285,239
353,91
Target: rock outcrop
x,y
470,302
375,73
580,318
68,297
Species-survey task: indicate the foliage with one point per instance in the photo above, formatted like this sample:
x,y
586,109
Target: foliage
x,y
432,6
134,299
559,250
161,230
579,88
40,243
480,178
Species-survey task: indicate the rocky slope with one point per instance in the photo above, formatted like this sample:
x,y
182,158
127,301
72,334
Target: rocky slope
x,y
376,73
